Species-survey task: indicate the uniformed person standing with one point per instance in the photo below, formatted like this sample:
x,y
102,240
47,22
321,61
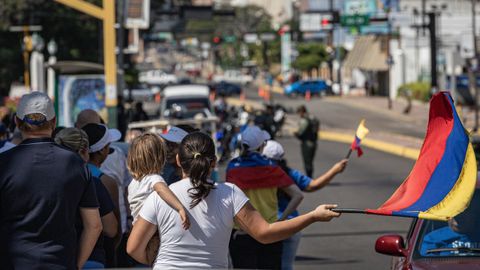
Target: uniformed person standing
x,y
307,133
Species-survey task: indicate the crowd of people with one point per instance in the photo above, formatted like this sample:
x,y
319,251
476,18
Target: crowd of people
x,y
76,198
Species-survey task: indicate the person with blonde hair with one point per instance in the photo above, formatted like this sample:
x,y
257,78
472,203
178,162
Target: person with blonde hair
x,y
145,161
77,140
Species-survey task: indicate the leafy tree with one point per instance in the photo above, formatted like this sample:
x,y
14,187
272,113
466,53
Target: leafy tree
x,y
310,55
78,35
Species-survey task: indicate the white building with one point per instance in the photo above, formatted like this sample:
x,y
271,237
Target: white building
x,y
411,53
280,10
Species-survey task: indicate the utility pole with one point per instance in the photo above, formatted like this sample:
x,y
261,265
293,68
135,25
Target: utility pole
x,y
433,49
121,14
472,71
330,42
389,57
107,16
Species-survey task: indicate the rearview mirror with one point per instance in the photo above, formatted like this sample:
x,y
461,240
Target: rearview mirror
x,y
391,245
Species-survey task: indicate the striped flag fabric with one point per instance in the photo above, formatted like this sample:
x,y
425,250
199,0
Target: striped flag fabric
x,y
256,171
362,131
443,179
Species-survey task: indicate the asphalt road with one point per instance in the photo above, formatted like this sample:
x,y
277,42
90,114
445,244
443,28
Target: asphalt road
x,y
334,114
348,242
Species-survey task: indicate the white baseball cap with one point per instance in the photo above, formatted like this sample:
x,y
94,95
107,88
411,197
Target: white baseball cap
x,y
174,134
273,150
100,135
35,102
254,137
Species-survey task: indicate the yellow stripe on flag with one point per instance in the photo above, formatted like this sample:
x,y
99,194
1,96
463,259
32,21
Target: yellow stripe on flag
x,y
362,130
458,199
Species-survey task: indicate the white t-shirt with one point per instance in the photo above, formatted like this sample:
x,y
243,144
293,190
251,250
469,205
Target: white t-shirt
x,y
205,243
138,191
115,166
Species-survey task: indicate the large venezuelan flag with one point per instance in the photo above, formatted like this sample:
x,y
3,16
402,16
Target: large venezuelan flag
x,y
256,171
443,179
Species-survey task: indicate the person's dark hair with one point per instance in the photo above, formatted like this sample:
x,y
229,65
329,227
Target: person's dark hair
x,y
196,154
38,118
283,164
187,128
244,150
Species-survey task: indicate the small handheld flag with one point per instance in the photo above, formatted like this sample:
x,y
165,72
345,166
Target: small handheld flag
x,y
442,181
362,131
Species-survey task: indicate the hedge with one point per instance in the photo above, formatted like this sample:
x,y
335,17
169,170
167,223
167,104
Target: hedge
x,y
416,90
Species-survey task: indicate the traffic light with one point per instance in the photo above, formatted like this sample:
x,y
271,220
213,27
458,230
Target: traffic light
x,y
325,22
217,39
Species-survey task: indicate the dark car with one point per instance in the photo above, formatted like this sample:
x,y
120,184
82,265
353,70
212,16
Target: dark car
x,y
434,244
226,89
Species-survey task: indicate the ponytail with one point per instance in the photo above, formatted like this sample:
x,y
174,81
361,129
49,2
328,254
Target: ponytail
x,y
199,173
245,150
197,153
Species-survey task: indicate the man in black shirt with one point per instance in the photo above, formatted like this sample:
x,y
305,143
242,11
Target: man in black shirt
x,y
42,186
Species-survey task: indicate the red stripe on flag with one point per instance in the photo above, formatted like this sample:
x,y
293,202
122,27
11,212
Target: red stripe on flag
x,y
258,177
440,125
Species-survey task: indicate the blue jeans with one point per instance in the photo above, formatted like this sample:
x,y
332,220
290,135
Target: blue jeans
x,y
290,246
93,265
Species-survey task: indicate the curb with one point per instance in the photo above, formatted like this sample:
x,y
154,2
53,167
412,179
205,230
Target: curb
x,y
387,147
391,148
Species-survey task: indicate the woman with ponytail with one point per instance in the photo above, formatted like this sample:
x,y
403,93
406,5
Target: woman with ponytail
x,y
213,209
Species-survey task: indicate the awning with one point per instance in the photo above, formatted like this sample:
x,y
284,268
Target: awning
x,y
77,67
367,55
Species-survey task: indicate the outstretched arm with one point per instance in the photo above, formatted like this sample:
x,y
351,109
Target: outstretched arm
x,y
324,179
255,225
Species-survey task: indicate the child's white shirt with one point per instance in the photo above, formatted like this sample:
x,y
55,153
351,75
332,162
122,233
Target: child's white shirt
x,y
138,192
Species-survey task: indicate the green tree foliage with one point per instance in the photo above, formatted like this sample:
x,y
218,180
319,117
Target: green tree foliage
x,y
310,56
415,90
78,36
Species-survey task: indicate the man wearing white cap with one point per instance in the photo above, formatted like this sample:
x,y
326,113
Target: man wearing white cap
x,y
274,151
40,182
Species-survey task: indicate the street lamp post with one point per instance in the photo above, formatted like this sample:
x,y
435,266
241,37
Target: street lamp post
x,y
37,65
52,59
